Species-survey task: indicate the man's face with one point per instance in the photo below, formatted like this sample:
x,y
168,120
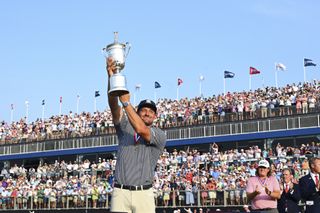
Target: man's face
x,y
316,166
263,171
287,177
147,115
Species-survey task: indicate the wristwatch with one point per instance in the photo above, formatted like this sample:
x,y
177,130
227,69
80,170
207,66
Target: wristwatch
x,y
125,104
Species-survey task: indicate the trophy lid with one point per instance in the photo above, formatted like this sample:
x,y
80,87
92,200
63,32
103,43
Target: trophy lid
x,y
116,43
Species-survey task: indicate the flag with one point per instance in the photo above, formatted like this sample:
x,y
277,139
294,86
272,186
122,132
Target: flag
x,y
308,62
280,66
43,102
254,71
228,74
138,86
60,99
179,81
78,96
11,106
96,94
157,84
201,78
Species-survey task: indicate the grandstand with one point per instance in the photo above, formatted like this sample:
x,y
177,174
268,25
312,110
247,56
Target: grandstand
x,y
58,162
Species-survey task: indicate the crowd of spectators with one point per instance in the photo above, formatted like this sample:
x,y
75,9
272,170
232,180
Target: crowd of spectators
x,y
182,178
261,103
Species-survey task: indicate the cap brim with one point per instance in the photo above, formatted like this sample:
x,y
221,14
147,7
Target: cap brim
x,y
148,106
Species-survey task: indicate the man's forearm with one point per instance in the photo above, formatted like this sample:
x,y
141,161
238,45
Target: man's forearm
x,y
275,194
137,123
114,106
251,195
113,100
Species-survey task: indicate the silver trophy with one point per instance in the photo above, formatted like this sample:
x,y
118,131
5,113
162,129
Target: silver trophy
x,y
118,52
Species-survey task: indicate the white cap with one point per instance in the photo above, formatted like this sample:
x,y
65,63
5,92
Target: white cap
x,y
264,163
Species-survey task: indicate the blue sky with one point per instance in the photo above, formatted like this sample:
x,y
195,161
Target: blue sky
x,y
50,49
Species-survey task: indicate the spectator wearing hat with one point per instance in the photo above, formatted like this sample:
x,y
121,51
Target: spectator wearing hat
x,y
263,190
140,146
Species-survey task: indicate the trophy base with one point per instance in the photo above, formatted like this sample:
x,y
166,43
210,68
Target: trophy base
x,y
118,92
118,85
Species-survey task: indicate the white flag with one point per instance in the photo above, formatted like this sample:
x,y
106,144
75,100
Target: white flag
x,y
280,66
138,86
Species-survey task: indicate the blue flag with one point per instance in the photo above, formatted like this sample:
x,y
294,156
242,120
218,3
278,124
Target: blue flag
x,y
308,62
156,84
228,74
43,102
96,94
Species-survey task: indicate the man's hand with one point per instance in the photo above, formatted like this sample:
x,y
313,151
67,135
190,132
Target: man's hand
x,y
256,192
124,98
111,66
268,192
291,186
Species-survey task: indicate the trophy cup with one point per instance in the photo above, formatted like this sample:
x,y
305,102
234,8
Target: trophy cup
x,y
118,52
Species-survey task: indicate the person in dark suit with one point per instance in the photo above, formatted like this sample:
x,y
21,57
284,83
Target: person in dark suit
x,y
310,187
290,193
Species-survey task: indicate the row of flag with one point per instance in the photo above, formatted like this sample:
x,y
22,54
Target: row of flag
x,y
43,102
158,85
252,71
279,66
227,74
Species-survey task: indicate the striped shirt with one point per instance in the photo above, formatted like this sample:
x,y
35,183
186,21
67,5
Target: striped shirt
x,y
136,159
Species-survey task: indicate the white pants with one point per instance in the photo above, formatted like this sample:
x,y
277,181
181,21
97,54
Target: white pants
x,y
141,201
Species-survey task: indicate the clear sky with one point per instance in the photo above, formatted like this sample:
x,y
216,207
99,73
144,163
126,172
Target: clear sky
x,y
52,49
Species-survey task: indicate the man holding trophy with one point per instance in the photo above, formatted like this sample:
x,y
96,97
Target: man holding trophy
x,y
140,143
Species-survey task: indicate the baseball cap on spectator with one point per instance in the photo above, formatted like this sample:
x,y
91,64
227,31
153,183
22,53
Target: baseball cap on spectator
x,y
147,103
264,163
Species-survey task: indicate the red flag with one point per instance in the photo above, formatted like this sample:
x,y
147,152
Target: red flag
x,y
179,81
254,71
60,99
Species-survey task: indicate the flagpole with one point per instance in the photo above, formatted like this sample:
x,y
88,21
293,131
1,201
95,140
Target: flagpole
x,y
11,114
60,108
95,104
201,78
200,91
224,86
304,72
177,93
78,99
249,82
276,75
43,113
155,96
27,111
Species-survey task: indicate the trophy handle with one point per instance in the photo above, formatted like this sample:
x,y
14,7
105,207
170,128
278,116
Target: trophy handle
x,y
127,49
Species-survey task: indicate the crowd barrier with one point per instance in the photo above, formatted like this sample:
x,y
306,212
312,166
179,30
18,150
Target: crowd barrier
x,y
226,199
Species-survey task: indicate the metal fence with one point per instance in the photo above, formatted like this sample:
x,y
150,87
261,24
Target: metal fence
x,y
172,198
